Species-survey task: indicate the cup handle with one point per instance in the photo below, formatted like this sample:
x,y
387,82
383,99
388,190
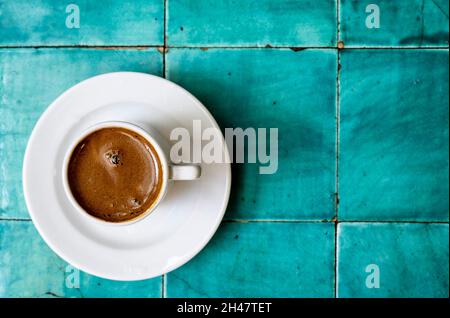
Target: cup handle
x,y
184,172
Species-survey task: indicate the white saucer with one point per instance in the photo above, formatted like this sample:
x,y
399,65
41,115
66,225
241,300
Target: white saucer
x,y
170,236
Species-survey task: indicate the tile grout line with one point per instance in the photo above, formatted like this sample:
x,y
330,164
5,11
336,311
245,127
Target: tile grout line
x,y
291,221
300,48
163,286
338,86
93,47
274,221
164,295
166,46
165,23
336,263
332,221
393,222
163,276
165,38
335,288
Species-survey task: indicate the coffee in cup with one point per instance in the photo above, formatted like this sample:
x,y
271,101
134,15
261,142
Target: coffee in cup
x,y
117,172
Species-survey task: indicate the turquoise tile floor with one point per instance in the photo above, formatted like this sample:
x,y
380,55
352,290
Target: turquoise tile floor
x,y
359,204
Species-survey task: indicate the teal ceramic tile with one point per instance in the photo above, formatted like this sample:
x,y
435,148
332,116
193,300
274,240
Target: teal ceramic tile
x,y
393,260
30,79
252,22
260,260
28,268
264,88
81,22
394,135
394,23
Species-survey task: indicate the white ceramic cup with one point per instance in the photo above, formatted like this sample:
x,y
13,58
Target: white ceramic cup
x,y
169,170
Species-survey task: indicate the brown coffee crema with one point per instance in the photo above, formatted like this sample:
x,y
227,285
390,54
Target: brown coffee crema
x,y
115,174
